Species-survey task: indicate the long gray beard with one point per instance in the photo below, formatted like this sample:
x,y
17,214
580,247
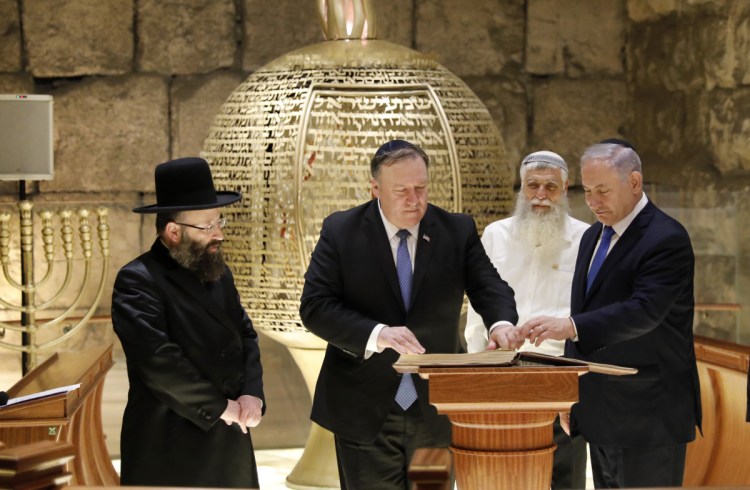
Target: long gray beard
x,y
197,259
543,230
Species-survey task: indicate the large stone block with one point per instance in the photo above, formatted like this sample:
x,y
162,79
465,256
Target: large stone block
x,y
195,102
506,101
727,128
742,218
67,38
10,36
650,10
560,37
715,279
667,133
16,83
711,232
719,325
185,36
394,18
109,134
482,37
271,30
743,285
692,52
570,115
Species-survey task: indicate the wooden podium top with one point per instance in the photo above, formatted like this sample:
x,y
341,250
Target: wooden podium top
x,y
86,368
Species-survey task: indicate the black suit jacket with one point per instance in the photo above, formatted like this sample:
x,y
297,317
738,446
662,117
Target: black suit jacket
x,y
351,285
189,347
638,313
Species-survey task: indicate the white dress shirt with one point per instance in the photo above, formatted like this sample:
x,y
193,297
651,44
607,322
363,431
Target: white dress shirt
x,y
622,225
541,282
394,240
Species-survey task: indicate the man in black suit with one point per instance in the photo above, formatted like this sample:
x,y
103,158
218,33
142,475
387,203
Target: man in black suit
x,y
192,353
387,278
632,305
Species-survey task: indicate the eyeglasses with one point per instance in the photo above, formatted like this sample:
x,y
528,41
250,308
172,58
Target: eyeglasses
x,y
220,223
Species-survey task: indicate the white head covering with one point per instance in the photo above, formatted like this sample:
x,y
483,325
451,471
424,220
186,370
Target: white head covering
x,y
547,157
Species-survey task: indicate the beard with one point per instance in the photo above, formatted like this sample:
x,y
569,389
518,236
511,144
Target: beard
x,y
545,230
195,257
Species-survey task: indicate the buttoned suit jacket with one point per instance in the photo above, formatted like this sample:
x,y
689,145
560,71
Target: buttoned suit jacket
x,y
188,350
638,313
351,285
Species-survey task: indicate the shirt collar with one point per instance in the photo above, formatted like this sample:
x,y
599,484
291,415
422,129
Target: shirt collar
x,y
623,224
391,229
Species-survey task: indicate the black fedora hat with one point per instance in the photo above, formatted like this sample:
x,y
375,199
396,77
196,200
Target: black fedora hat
x,y
185,184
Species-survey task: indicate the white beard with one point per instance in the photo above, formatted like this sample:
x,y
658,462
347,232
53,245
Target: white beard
x,y
542,230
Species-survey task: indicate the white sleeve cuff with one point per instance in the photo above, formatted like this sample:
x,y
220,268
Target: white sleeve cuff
x,y
372,342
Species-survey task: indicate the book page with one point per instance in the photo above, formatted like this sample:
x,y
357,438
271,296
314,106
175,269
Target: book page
x,y
42,394
486,358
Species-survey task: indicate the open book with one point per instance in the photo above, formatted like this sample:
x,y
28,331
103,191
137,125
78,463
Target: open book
x,y
502,358
42,394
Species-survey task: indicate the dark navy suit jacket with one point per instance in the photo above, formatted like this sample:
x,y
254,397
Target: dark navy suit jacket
x,y
351,285
638,313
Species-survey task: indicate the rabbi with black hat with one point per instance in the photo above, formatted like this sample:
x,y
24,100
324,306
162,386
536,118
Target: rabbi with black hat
x,y
192,353
388,278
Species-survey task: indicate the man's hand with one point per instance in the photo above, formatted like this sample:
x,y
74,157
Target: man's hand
x,y
565,422
542,328
506,337
245,412
400,339
232,415
251,409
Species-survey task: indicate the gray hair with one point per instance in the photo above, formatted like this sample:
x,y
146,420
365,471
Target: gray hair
x,y
625,160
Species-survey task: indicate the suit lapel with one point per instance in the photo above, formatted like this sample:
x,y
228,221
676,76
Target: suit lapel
x,y
623,245
585,252
428,234
377,238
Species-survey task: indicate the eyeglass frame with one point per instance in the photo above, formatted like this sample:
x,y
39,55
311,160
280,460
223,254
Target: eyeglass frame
x,y
221,223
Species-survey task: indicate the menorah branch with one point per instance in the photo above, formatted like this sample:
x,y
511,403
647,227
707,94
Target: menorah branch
x,y
74,277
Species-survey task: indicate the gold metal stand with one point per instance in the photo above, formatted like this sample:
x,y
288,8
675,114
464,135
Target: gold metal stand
x,y
29,287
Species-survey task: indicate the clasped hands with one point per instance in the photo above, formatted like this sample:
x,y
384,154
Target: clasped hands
x,y
246,412
537,330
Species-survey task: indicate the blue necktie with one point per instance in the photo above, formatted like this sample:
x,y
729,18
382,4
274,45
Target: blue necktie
x,y
407,393
601,254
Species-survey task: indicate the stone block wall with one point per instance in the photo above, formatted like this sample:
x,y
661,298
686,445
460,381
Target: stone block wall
x,y
137,82
688,78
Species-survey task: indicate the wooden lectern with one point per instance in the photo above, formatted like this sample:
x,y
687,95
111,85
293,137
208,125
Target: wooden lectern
x,y
73,417
502,416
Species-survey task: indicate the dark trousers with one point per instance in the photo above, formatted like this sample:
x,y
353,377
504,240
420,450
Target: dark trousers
x,y
382,465
624,467
569,461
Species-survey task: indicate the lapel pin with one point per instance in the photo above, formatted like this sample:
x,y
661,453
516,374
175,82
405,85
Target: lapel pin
x,y
426,238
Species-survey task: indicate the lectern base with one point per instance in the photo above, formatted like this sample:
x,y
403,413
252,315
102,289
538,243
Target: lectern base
x,y
504,450
503,470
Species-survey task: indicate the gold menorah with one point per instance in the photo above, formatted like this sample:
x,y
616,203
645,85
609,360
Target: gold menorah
x,y
28,287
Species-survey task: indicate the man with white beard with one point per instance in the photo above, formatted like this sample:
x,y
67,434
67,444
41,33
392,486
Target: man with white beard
x,y
535,251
